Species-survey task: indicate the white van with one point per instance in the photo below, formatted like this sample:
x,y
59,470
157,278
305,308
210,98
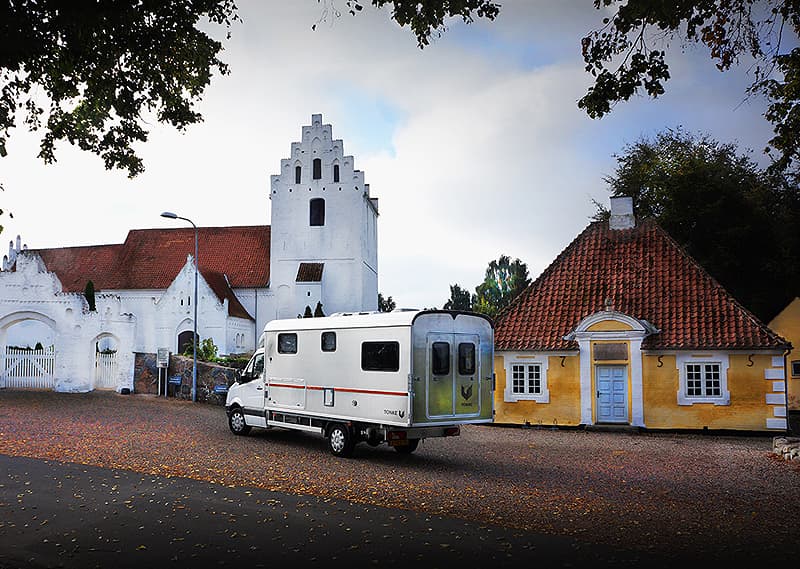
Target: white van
x,y
396,377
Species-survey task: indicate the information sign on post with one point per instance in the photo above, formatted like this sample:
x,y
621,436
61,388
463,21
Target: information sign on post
x,y
162,358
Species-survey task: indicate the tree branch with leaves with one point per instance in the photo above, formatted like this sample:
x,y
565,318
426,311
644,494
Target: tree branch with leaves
x,y
94,73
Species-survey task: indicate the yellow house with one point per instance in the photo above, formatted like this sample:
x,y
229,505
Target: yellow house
x,y
624,328
787,324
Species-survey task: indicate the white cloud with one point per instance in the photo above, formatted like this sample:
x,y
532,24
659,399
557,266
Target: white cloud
x,y
489,154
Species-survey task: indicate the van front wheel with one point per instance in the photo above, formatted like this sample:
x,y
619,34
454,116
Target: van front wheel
x,y
340,441
237,423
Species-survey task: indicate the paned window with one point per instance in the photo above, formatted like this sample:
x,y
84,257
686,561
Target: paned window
x,y
526,379
335,172
317,169
796,368
703,380
297,171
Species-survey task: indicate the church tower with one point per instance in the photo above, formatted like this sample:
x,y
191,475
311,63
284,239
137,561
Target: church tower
x,y
324,244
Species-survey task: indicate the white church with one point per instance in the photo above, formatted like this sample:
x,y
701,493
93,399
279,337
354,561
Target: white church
x,y
318,253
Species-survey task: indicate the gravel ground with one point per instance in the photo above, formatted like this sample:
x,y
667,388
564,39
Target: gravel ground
x,y
707,496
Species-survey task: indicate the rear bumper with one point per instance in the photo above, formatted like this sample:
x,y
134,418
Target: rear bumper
x,y
398,435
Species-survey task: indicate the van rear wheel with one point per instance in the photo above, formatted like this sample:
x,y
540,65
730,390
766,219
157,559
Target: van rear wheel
x,y
340,440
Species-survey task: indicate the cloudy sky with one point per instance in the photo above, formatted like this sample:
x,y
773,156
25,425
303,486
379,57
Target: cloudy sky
x,y
474,146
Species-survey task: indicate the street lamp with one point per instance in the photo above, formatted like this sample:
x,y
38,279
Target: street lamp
x,y
170,215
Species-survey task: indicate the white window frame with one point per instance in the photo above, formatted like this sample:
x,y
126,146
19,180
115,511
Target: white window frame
x,y
682,361
794,368
512,360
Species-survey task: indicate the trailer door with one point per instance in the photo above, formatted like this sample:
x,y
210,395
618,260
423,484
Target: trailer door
x,y
453,386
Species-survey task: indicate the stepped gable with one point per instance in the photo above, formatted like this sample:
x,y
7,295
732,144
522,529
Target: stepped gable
x,y
644,273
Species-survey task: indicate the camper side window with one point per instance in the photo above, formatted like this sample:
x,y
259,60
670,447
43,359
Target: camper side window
x,y
328,341
380,356
466,358
440,358
287,343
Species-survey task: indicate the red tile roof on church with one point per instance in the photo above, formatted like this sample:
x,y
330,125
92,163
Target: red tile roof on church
x,y
152,258
645,274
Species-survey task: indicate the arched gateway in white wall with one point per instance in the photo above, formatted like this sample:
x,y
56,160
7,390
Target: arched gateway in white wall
x,y
320,251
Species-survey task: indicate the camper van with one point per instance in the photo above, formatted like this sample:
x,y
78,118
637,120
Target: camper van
x,y
395,377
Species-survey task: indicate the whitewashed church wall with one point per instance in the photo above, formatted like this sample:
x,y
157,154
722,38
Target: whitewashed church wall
x,y
33,293
260,304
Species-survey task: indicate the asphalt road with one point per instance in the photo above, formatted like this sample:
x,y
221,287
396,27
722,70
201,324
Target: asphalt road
x,y
55,514
107,480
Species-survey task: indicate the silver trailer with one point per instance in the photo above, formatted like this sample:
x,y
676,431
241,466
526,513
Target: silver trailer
x,y
396,377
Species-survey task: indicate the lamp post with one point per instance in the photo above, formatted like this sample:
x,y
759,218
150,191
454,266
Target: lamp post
x,y
170,215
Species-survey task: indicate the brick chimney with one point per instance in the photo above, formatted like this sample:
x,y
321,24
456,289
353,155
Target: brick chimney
x,y
622,213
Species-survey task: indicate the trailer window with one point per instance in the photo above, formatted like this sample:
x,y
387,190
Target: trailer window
x,y
380,356
328,341
466,358
440,358
287,343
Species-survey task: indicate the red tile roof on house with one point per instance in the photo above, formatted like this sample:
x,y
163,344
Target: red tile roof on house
x,y
152,258
647,275
309,272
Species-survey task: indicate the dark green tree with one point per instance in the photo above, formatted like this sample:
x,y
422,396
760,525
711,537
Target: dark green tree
x,y
97,73
741,223
308,313
627,55
38,346
318,310
385,304
505,279
89,294
460,299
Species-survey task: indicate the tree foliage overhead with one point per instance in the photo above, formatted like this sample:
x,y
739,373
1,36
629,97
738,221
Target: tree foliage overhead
x,y
627,55
96,72
426,18
739,222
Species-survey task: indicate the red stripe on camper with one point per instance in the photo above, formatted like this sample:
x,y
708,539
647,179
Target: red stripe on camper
x,y
341,389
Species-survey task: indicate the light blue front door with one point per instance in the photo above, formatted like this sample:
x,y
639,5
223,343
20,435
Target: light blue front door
x,y
612,394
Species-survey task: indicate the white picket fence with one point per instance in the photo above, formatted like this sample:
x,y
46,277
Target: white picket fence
x,y
105,370
31,369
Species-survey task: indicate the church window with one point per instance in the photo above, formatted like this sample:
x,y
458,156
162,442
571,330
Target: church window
x,y
335,172
185,342
317,164
317,212
297,171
